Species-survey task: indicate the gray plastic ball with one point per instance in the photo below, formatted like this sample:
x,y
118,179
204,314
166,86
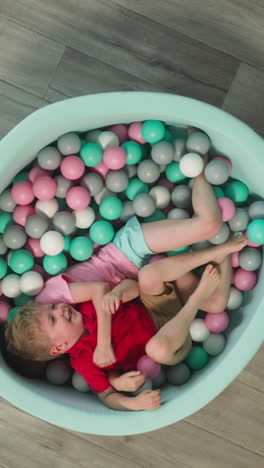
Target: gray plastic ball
x,y
216,172
256,210
64,222
198,142
3,247
69,143
235,299
201,245
14,237
58,372
221,236
63,186
162,152
131,170
6,201
179,148
93,182
250,259
181,196
36,225
79,383
214,344
128,211
117,181
144,205
179,374
146,386
160,380
49,158
148,171
240,220
178,213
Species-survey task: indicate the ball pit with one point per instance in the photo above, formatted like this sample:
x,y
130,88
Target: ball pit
x,y
83,412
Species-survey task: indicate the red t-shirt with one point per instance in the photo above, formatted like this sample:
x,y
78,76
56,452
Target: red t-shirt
x,y
131,330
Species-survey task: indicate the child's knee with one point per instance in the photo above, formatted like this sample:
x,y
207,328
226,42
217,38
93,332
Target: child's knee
x,y
213,226
158,350
146,279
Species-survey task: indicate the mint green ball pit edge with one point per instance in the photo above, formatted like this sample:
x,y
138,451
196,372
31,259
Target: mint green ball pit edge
x,y
66,407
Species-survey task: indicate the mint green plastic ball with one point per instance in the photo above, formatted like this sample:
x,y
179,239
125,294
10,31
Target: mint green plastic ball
x,y
67,241
153,131
180,250
5,221
3,268
22,299
101,232
20,176
255,231
91,154
219,193
134,152
81,248
237,191
197,358
12,313
55,264
168,136
135,187
21,261
158,215
173,172
111,208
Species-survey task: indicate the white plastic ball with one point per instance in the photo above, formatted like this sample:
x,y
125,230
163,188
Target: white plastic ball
x,y
48,208
161,196
191,165
31,283
49,158
52,243
106,139
178,213
128,211
84,218
198,330
144,205
93,182
69,143
79,383
58,372
11,285
148,171
214,344
221,236
235,299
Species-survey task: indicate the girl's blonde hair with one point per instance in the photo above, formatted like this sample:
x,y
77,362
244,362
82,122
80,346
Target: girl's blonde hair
x,y
24,336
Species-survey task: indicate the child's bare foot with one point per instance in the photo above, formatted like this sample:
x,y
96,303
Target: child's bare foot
x,y
234,244
208,283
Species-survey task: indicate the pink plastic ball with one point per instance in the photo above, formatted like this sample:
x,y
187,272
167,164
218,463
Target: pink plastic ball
x,y
33,245
234,259
168,208
157,257
101,169
245,280
21,213
134,132
22,192
72,167
4,309
39,269
227,208
216,323
121,131
44,188
78,198
250,243
36,172
147,366
225,159
164,182
114,157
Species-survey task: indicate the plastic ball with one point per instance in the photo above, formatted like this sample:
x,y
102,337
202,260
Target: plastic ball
x,y
179,148
3,268
63,186
13,313
198,142
198,330
256,210
101,232
181,196
6,201
5,221
147,366
49,158
47,208
21,261
217,173
160,379
173,172
55,264
78,198
58,372
121,131
84,218
81,248
4,309
22,299
161,195
133,151
219,193
227,208
23,175
178,374
144,205
216,323
79,383
239,221
52,243
135,187
11,285
14,237
64,222
255,231
116,181
178,213
31,283
69,143
33,246
221,236
147,385
135,132
93,182
36,226
153,131
105,192
162,152
21,213
197,358
214,344
191,165
22,193
158,215
91,154
225,159
107,139
245,280
111,208
237,191
92,136
148,171
235,299
234,259
250,259
37,172
114,157
128,211
72,167
44,188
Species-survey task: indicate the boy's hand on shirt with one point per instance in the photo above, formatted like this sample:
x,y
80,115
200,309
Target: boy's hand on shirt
x,y
111,301
104,356
147,400
130,381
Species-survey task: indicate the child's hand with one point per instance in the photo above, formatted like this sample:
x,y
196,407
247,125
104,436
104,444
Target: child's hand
x,y
104,356
130,381
148,400
111,301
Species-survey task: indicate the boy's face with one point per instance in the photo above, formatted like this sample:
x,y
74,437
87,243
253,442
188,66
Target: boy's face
x,y
62,324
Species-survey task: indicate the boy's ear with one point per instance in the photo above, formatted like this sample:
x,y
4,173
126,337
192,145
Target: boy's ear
x,y
56,350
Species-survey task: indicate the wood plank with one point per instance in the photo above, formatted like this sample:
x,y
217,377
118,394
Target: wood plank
x,y
253,375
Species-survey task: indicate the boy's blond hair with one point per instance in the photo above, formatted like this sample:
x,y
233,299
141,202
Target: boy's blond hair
x,y
24,336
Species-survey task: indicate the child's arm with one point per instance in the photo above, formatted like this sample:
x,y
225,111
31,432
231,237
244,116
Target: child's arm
x,y
125,291
127,382
147,400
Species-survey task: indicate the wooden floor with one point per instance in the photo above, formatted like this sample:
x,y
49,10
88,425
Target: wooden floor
x,y
207,49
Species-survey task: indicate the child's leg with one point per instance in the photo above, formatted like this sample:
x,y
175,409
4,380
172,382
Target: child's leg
x,y
163,346
170,234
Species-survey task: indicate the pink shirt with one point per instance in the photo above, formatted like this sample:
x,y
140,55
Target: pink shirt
x,y
109,264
